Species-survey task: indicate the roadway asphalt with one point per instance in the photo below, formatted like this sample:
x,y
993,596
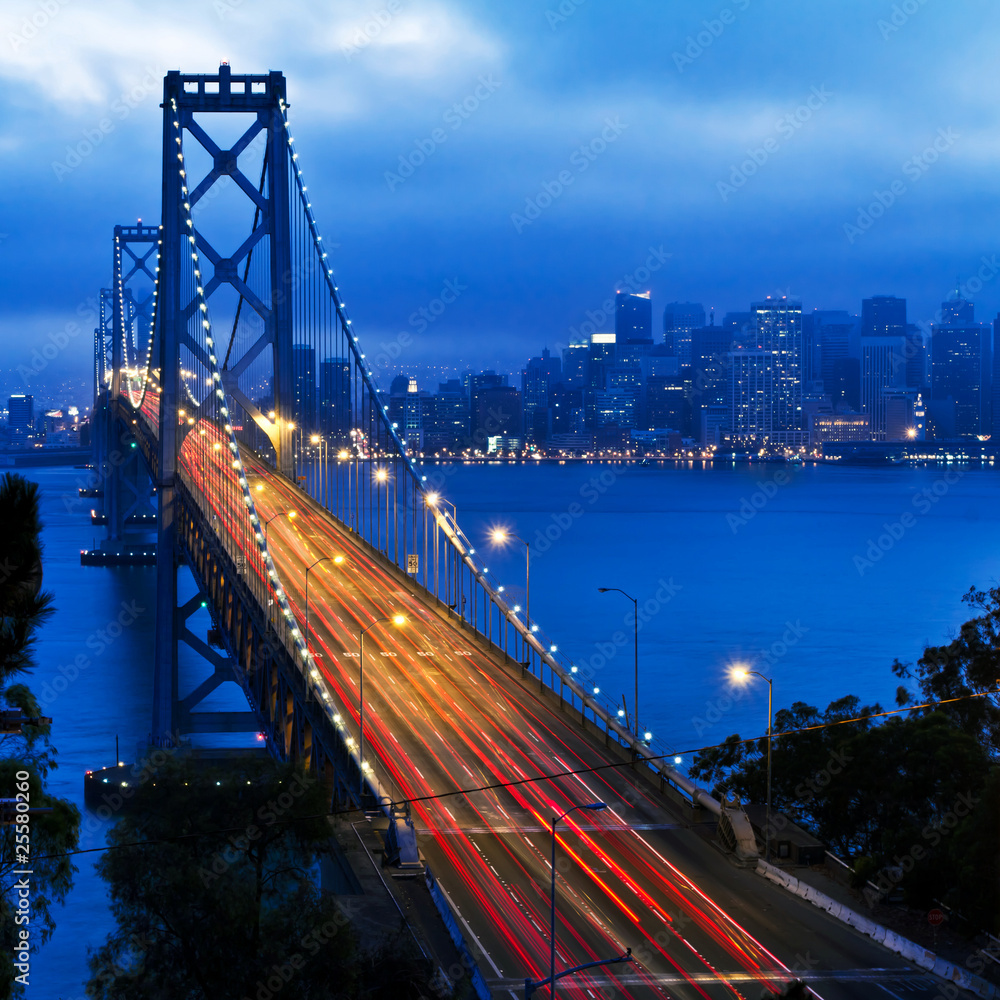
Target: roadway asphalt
x,y
441,715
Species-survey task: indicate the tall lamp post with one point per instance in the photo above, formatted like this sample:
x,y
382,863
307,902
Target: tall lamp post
x,y
741,675
595,807
381,476
324,464
396,620
635,604
501,536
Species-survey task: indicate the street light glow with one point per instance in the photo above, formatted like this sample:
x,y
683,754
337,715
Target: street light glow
x,y
381,475
398,620
314,439
739,673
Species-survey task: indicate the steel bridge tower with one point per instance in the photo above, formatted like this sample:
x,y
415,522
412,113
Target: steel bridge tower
x,y
185,96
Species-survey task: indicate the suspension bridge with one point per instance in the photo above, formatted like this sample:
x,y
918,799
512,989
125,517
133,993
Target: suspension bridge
x,y
237,418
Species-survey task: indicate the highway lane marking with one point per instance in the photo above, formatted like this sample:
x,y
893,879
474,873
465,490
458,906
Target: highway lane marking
x,y
472,933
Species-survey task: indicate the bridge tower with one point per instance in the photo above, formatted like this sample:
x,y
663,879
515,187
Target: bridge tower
x,y
259,100
125,316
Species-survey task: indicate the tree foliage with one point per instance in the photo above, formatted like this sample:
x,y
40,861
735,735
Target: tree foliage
x,y
219,900
24,609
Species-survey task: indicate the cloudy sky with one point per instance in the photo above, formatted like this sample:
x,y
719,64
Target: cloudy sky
x,y
733,148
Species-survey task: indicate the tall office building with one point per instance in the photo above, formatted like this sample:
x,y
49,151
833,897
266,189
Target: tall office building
x,y
710,363
334,404
957,372
21,413
958,311
679,320
575,360
883,316
834,330
304,376
765,397
538,377
883,369
478,385
633,317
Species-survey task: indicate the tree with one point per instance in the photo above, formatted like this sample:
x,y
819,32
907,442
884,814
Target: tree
x,y
27,757
218,899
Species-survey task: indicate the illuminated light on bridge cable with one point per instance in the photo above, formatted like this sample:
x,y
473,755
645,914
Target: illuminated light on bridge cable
x,y
534,628
647,735
573,669
678,760
597,690
552,649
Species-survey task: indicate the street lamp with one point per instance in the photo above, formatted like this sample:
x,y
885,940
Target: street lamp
x,y
291,517
324,463
742,675
501,536
334,559
396,620
381,477
596,807
635,604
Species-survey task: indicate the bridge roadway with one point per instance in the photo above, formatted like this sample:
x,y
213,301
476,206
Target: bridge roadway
x,y
441,714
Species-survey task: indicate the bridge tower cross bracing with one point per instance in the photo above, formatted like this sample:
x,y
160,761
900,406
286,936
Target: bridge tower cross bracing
x,y
259,98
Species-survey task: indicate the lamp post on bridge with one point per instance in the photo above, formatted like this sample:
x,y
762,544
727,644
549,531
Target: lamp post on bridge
x,y
334,559
396,620
501,536
323,456
381,477
635,605
741,675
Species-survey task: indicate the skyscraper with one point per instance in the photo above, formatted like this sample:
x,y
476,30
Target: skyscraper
x,y
766,376
679,320
883,368
957,374
883,316
633,317
21,413
538,377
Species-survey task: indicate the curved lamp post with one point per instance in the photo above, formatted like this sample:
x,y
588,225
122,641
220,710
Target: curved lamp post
x,y
741,675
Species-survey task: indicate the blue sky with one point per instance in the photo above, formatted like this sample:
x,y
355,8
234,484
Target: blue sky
x,y
728,146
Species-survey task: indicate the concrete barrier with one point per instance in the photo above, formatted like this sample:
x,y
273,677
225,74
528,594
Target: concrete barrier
x,y
902,946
